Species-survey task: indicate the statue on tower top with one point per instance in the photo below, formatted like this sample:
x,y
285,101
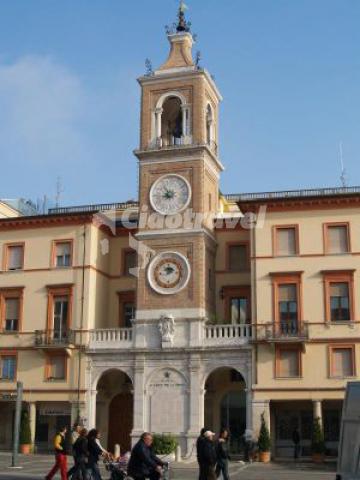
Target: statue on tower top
x,y
183,25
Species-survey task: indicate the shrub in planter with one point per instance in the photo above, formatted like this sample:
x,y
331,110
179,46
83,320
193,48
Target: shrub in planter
x,y
164,444
25,433
317,442
264,441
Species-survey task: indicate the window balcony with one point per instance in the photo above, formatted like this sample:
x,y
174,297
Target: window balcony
x,y
110,338
54,339
285,331
227,335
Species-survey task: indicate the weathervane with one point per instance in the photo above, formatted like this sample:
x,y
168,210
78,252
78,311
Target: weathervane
x,y
149,68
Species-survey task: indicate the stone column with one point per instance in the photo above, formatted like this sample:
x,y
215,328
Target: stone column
x,y
249,414
158,114
196,404
317,409
258,408
32,419
139,400
92,409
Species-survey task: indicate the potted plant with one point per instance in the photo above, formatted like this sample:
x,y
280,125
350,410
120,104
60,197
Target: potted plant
x,y
25,433
264,442
164,446
317,442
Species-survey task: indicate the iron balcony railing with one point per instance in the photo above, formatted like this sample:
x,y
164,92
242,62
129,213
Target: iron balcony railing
x,y
181,145
53,338
287,330
315,192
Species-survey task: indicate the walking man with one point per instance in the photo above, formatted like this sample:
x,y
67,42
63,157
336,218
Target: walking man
x,y
74,436
208,456
199,444
60,448
222,453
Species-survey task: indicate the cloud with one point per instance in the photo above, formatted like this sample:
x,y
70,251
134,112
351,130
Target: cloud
x,y
41,105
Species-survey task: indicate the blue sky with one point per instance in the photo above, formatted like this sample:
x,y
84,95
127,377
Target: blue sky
x,y
289,71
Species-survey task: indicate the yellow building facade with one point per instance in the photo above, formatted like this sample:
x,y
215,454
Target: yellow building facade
x,y
216,307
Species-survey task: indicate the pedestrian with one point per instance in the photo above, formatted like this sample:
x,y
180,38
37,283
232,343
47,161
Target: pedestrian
x,y
74,436
222,455
60,447
199,444
296,440
144,464
249,445
208,456
95,453
81,455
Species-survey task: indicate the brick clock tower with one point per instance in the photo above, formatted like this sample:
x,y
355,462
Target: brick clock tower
x,y
178,196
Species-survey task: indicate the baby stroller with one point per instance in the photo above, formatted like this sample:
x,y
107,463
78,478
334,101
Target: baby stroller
x,y
117,469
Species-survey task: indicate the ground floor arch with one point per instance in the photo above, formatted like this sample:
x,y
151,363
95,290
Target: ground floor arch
x,y
225,404
115,409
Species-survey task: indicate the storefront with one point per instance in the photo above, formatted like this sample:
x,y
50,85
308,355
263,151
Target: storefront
x,y
50,416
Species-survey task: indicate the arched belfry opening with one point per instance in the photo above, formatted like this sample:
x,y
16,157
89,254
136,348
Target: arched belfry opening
x,y
225,404
209,125
172,122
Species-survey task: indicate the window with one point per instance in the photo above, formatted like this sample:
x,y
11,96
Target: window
x,y
239,309
8,367
63,254
286,243
12,310
128,314
287,302
288,363
60,317
129,261
337,239
238,258
342,361
339,302
288,305
14,257
339,295
56,367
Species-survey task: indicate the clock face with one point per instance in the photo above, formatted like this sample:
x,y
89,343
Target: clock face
x,y
169,272
170,194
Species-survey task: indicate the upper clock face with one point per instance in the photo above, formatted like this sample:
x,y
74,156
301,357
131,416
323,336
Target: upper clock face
x,y
169,272
170,194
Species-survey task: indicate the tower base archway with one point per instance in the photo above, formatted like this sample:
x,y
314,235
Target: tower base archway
x,y
225,404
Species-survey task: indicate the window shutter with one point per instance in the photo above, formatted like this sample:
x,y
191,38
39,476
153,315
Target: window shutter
x,y
57,367
237,258
63,249
287,292
286,241
12,309
339,289
289,363
15,261
342,362
338,239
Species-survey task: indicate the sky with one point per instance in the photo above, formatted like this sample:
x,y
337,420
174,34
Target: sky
x,y
289,72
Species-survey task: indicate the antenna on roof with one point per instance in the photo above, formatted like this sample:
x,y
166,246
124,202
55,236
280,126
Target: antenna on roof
x,y
343,171
59,191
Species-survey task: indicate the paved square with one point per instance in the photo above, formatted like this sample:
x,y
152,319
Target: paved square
x,y
36,467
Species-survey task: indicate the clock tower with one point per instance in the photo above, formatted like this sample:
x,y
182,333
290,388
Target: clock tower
x,y
179,172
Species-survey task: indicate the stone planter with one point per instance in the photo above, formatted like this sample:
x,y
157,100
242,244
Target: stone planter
x,y
264,457
170,457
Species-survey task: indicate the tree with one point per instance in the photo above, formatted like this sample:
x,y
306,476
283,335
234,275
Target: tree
x,y
25,432
317,440
264,441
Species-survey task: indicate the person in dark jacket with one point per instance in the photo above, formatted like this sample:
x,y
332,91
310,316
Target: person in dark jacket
x,y
296,440
81,455
95,453
222,455
199,443
144,464
208,456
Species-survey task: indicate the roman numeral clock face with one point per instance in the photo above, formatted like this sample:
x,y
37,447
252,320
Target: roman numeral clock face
x,y
170,194
169,273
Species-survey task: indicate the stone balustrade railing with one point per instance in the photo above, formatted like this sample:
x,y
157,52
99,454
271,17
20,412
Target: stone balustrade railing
x,y
227,334
111,338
